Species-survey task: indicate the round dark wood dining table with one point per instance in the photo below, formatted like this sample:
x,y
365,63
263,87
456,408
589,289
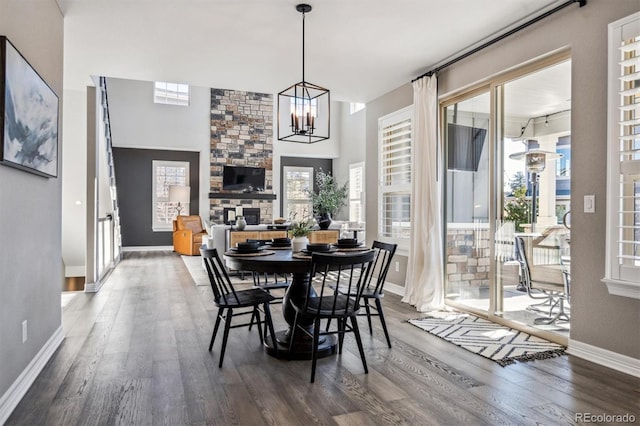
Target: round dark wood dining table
x,y
282,261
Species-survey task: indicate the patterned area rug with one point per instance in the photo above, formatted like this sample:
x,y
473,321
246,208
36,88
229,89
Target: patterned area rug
x,y
196,269
496,342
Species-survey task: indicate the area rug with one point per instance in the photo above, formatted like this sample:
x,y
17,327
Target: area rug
x,y
496,342
196,269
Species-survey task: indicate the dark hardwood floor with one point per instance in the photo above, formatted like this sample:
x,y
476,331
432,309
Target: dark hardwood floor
x,y
136,353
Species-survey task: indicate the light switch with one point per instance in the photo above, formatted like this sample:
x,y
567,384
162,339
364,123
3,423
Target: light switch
x,y
589,203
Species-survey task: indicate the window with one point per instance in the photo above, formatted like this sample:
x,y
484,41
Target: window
x,y
355,107
171,93
296,201
394,153
356,192
622,274
165,174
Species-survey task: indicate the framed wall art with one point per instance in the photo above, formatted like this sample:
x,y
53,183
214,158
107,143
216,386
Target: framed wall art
x,y
28,116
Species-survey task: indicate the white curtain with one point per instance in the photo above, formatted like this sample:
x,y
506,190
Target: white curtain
x,y
424,287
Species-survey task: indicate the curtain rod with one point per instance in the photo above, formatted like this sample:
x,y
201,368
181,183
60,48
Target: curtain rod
x,y
501,37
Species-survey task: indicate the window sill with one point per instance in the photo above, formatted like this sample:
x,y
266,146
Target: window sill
x,y
629,289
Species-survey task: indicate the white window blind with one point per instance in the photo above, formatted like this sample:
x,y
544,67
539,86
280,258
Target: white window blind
x,y
356,192
297,180
623,201
394,134
166,174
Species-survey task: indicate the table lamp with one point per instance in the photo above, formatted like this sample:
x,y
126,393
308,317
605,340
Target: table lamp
x,y
181,195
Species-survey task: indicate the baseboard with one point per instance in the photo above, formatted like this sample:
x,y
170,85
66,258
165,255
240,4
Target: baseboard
x,y
19,388
93,287
147,248
607,358
394,288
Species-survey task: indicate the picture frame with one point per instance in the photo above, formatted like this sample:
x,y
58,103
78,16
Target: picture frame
x,y
29,114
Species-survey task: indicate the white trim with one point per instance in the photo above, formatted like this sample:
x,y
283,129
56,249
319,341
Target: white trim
x,y
74,271
613,360
394,288
623,288
21,385
147,248
93,287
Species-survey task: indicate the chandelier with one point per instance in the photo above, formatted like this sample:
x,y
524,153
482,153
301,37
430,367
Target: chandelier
x,y
303,109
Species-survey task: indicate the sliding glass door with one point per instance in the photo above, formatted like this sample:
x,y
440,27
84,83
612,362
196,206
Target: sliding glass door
x,y
508,170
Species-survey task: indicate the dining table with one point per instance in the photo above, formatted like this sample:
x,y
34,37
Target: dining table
x,y
298,265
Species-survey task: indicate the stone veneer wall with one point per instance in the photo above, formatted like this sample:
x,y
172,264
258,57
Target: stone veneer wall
x,y
468,259
241,135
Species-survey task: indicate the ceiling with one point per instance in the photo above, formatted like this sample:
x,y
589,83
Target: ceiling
x,y
359,49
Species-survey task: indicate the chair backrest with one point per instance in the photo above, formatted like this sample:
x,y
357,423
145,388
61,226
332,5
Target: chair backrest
x,y
382,262
521,257
353,272
192,223
221,285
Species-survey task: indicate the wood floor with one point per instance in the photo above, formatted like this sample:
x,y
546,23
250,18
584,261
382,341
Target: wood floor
x,y
136,353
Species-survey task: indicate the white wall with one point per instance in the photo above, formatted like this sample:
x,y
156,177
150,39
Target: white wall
x,y
30,256
138,122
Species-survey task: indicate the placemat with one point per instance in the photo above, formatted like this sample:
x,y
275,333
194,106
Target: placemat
x,y
260,253
280,248
301,256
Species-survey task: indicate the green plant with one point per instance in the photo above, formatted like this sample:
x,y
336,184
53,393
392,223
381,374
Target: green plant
x,y
518,210
330,196
301,228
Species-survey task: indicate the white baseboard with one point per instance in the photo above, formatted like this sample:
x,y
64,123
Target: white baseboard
x,y
19,388
147,248
607,358
74,271
93,287
394,288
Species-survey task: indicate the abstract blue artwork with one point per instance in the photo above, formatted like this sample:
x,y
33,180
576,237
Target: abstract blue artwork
x,y
29,129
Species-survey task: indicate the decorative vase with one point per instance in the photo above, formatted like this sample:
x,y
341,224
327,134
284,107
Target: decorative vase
x,y
299,243
324,220
240,223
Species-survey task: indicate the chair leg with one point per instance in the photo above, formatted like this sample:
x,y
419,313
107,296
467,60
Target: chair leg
x,y
382,321
314,353
215,327
225,336
258,322
253,315
269,322
341,329
293,331
367,308
356,331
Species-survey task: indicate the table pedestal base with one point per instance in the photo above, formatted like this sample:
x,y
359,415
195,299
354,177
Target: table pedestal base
x,y
302,346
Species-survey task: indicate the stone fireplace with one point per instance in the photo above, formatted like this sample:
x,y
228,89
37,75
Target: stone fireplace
x,y
241,135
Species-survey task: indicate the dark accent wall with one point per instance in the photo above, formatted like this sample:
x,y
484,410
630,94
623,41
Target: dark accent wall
x,y
326,164
134,184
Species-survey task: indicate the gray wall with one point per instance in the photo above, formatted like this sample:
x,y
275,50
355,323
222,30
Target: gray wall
x,y
134,181
598,319
31,275
325,164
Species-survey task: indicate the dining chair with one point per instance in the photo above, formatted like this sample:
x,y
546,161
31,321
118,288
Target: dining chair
x,y
373,289
353,270
553,296
228,299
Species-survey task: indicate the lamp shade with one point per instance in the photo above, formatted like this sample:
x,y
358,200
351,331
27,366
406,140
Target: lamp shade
x,y
179,194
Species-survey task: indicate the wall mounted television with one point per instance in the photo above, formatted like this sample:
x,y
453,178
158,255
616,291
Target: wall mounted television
x,y
464,147
243,178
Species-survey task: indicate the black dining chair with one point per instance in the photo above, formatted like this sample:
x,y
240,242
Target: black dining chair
x,y
228,299
373,289
353,270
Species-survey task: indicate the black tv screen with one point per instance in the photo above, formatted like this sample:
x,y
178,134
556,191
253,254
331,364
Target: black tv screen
x,y
242,178
464,147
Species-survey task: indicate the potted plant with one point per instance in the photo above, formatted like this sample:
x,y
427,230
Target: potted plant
x,y
300,231
328,198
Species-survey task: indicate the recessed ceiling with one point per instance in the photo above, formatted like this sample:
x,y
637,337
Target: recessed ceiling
x,y
359,49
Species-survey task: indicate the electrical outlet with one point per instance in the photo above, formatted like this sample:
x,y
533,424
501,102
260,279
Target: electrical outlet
x,y
24,331
397,266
